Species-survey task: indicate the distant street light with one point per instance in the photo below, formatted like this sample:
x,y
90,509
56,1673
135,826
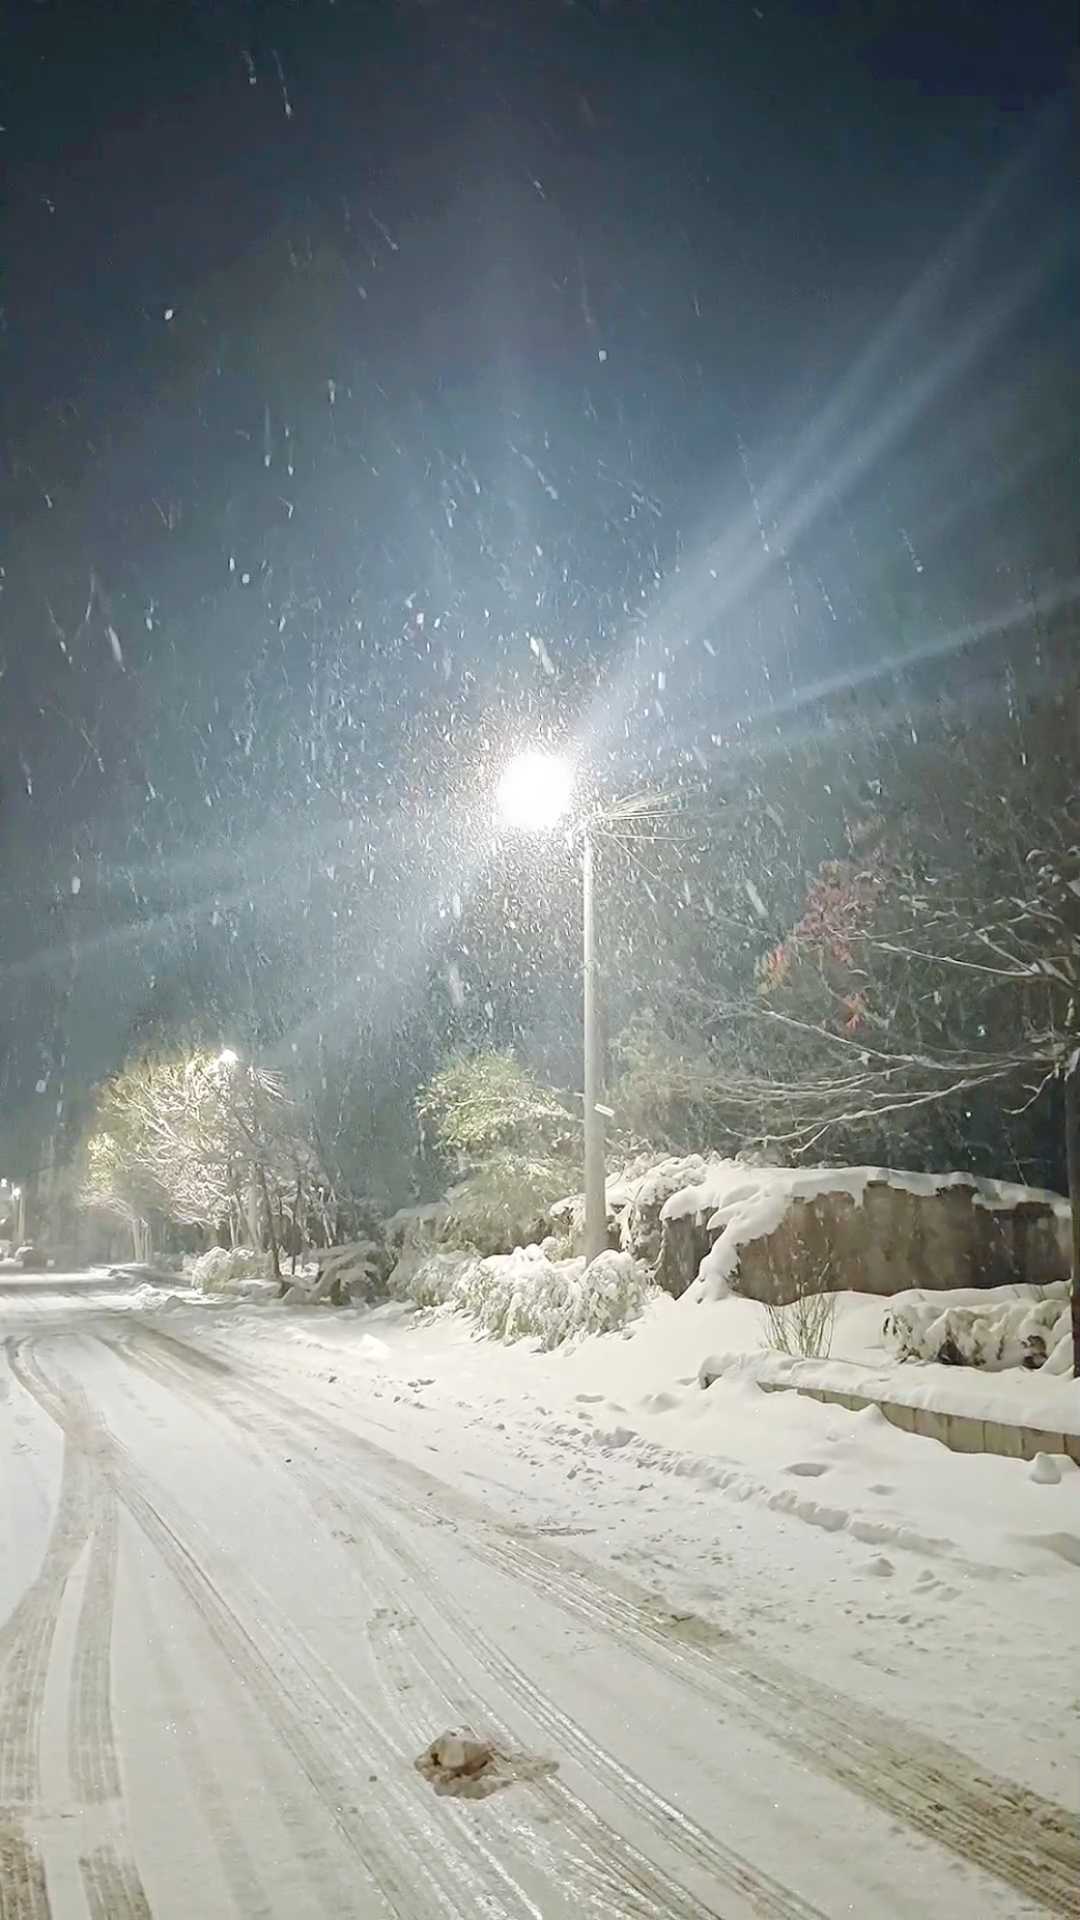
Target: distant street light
x,y
535,795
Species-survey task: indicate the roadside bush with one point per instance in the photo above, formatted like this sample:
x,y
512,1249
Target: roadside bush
x,y
527,1294
804,1327
221,1266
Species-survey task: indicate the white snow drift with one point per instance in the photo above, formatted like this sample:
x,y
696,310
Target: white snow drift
x,y
1031,1329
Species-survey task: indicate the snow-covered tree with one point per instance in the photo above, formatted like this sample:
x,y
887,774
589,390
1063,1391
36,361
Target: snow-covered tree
x,y
201,1139
510,1146
941,955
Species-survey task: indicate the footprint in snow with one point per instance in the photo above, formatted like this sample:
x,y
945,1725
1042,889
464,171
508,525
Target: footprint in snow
x,y
807,1469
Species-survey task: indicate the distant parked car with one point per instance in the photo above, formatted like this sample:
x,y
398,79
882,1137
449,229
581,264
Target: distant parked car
x,y
31,1260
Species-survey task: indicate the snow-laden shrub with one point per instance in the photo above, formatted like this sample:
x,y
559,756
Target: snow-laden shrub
x,y
804,1326
529,1295
427,1278
501,1202
1033,1332
222,1266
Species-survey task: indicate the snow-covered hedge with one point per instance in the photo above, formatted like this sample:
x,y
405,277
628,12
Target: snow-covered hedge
x,y
1031,1329
222,1266
527,1294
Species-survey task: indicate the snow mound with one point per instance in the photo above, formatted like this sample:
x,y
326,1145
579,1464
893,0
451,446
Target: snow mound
x,y
664,1178
638,1191
1032,1331
222,1266
344,1275
528,1295
740,1203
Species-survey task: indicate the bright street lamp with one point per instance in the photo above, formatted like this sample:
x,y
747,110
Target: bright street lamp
x,y
535,794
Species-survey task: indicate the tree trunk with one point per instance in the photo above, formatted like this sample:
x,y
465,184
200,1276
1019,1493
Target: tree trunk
x,y
297,1230
275,1256
256,1192
1072,1151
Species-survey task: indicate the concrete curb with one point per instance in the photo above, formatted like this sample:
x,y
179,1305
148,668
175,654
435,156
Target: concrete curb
x,y
960,1432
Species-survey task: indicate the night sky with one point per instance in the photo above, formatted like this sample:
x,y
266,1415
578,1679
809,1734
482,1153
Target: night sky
x,y
381,384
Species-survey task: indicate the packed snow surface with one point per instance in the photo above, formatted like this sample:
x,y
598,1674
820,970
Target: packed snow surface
x,y
733,1652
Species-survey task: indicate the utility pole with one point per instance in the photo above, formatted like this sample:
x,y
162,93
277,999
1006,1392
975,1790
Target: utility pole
x,y
1072,1154
595,1177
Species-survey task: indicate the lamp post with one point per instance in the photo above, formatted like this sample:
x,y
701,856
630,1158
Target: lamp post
x,y
595,1176
535,794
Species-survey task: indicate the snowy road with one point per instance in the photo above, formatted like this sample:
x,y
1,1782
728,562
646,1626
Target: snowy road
x,y
230,1623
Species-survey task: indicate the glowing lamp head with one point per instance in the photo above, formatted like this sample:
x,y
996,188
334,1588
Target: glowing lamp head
x,y
536,792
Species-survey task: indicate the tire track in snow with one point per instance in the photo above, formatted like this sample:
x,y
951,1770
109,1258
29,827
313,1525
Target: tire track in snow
x,y
112,1887
111,1880
599,1883
113,1876
109,1873
1028,1843
95,1772
1019,1838
721,1866
67,1409
250,1897
29,1629
618,1882
450,1879
26,1641
323,1726
27,1637
23,1893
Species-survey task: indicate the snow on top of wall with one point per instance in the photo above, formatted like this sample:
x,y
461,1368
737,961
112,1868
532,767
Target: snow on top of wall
x,y
741,1203
663,1178
642,1184
400,1223
725,1181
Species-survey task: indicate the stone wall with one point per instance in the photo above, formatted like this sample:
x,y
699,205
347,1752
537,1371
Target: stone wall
x,y
893,1240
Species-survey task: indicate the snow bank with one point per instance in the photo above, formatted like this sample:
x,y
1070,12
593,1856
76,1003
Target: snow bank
x,y
640,1190
414,1222
526,1294
1032,1331
742,1203
344,1274
221,1267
